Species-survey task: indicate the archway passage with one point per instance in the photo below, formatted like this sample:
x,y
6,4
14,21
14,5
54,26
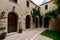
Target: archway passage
x,y
36,22
46,22
27,22
12,22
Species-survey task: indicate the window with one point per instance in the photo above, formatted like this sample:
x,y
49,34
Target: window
x,y
27,3
46,6
14,1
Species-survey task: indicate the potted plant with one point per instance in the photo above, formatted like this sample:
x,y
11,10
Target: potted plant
x,y
2,34
20,30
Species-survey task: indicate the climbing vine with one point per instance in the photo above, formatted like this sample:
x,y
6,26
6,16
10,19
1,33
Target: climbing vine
x,y
53,13
36,12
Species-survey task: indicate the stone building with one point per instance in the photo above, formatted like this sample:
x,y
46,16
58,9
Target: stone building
x,y
48,6
17,14
53,23
44,8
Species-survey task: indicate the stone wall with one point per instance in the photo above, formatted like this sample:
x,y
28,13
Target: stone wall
x,y
55,23
20,8
50,7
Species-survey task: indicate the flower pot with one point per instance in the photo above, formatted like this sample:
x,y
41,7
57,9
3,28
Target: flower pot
x,y
20,30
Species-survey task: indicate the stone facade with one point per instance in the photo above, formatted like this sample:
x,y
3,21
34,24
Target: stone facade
x,y
43,11
50,7
54,23
21,10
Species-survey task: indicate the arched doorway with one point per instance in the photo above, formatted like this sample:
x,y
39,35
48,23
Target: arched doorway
x,y
12,22
36,22
27,22
46,22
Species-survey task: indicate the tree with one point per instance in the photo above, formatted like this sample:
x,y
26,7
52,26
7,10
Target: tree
x,y
57,2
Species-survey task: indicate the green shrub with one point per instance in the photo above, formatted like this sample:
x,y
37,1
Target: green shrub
x,y
2,28
53,13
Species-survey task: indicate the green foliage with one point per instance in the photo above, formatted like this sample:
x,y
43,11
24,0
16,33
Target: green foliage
x,y
36,12
56,1
2,28
51,34
52,14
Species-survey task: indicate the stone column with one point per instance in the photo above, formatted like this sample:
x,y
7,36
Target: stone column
x,y
43,22
23,24
31,23
18,25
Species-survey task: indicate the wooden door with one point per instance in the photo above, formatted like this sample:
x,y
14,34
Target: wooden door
x,y
27,22
46,22
12,22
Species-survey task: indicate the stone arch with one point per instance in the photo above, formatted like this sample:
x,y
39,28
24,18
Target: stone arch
x,y
46,22
12,22
28,19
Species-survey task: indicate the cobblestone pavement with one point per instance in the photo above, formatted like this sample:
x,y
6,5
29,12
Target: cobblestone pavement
x,y
28,34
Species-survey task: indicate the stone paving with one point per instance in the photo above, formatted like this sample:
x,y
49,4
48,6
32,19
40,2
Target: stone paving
x,y
29,34
40,37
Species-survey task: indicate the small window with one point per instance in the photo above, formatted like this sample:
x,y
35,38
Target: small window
x,y
27,3
46,6
14,1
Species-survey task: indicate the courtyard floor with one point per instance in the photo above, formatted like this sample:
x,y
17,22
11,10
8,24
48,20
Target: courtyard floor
x,y
29,34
